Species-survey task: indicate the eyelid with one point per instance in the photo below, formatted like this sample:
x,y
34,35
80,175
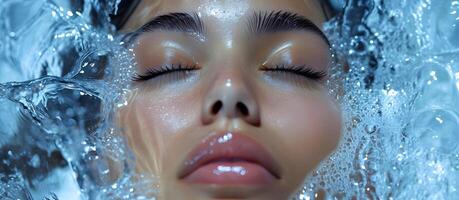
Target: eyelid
x,y
157,51
282,47
154,72
281,53
171,44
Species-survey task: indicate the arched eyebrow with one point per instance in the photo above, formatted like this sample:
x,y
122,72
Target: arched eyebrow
x,y
179,22
278,21
258,23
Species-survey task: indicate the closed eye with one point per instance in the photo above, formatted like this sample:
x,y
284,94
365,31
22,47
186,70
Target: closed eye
x,y
301,70
153,73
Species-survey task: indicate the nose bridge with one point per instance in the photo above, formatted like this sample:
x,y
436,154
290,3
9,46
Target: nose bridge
x,y
230,96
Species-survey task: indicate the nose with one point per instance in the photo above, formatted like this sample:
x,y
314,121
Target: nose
x,y
231,98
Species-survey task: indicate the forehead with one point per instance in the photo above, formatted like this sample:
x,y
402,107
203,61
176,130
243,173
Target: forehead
x,y
222,11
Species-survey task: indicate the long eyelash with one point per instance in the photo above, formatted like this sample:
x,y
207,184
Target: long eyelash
x,y
166,69
301,70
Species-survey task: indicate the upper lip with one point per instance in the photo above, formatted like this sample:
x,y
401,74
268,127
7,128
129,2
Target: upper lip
x,y
229,146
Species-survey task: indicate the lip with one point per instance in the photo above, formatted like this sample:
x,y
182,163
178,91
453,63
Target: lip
x,y
229,158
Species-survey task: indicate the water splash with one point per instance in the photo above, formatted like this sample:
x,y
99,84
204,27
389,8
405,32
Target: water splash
x,y
63,97
397,61
63,73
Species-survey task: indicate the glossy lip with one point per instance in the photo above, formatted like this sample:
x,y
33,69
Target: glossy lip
x,y
230,147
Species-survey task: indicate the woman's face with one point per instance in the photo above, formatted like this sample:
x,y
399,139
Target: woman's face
x,y
229,100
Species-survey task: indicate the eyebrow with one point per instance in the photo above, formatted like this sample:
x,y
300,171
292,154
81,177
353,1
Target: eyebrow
x,y
279,21
259,23
179,22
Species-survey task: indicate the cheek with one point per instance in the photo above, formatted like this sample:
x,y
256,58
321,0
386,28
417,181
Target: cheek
x,y
308,124
164,117
152,121
167,113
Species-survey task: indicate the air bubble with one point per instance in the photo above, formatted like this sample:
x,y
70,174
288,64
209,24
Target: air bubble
x,y
437,129
370,129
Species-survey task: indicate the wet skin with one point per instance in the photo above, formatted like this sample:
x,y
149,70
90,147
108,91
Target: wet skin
x,y
225,74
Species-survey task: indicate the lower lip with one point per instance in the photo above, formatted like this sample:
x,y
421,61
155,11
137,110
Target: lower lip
x,y
231,173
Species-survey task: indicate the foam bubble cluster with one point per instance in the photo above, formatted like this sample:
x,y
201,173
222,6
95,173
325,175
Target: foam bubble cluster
x,y
398,62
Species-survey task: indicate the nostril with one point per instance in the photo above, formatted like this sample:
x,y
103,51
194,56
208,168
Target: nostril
x,y
216,107
242,108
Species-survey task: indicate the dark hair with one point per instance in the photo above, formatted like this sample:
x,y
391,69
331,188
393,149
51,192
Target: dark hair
x,y
327,9
125,9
